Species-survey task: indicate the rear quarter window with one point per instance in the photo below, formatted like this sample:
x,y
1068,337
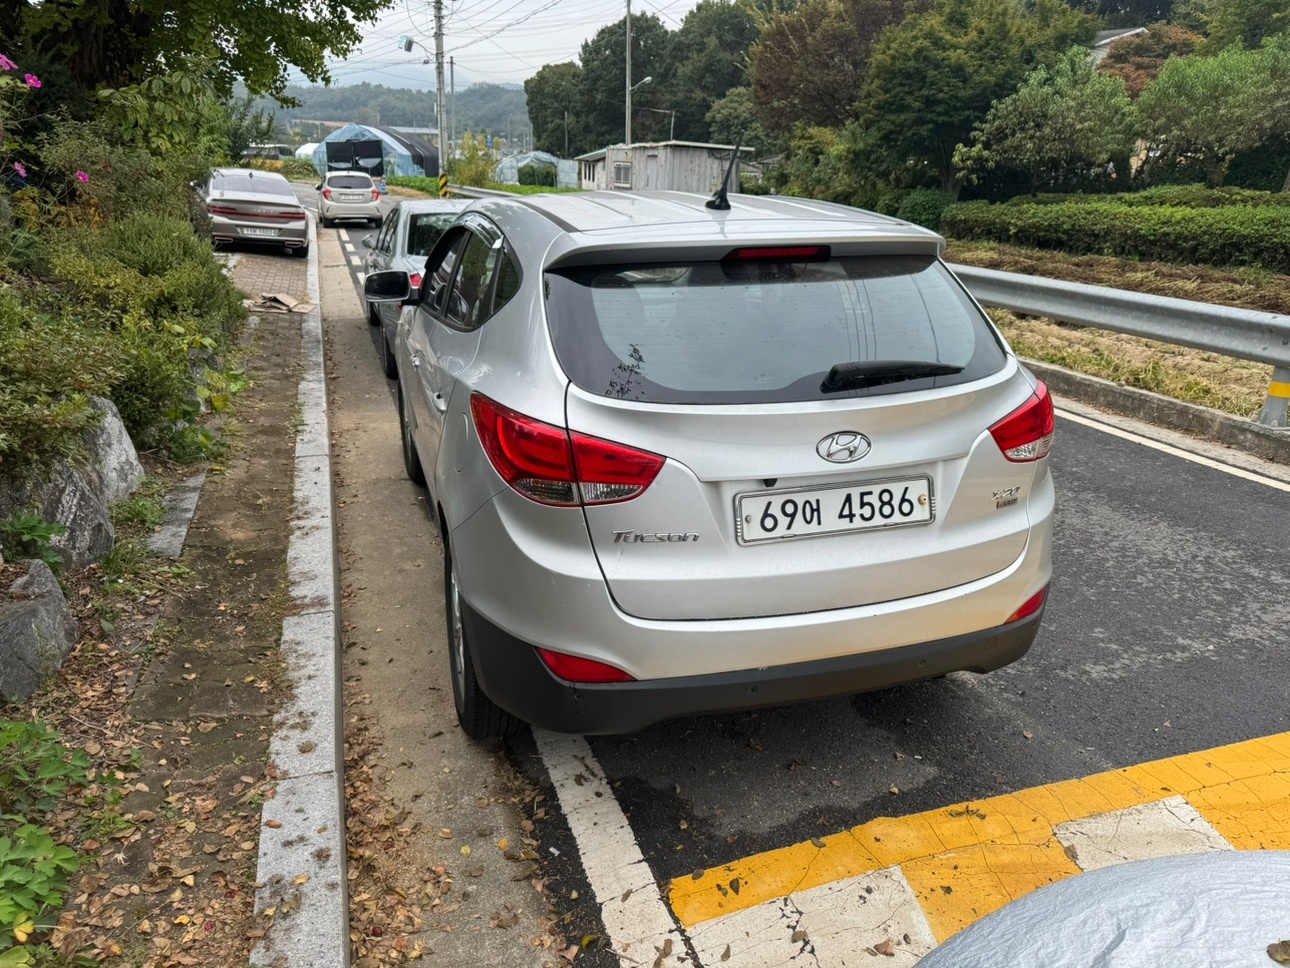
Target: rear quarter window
x,y
717,332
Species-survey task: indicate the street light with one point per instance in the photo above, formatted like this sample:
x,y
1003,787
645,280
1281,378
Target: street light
x,y
406,43
630,91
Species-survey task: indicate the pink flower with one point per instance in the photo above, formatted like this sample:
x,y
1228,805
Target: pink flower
x,y
32,80
6,64
20,168
83,178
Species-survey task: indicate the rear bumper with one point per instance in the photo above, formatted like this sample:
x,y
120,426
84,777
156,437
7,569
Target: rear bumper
x,y
349,209
293,234
513,676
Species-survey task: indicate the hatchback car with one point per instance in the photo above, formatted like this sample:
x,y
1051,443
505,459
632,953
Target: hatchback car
x,y
348,195
687,460
247,205
407,235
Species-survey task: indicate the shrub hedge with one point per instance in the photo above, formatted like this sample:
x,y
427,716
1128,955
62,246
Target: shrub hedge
x,y
1174,196
924,206
1231,235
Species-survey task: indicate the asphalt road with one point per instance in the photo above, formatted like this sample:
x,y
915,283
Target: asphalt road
x,y
1166,632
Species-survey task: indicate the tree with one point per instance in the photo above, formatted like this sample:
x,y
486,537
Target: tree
x,y
733,120
1128,13
809,65
604,82
1205,110
554,99
1062,120
1244,23
116,43
1137,59
936,74
708,55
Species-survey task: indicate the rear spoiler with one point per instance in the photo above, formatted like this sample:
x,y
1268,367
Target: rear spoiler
x,y
638,252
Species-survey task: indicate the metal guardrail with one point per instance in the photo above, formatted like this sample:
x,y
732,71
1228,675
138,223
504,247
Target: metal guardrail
x,y
1242,333
471,192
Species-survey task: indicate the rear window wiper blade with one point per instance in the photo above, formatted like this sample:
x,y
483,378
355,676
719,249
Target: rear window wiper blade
x,y
868,373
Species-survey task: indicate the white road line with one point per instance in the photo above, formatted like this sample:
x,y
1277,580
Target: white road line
x,y
361,276
1174,451
349,246
1160,829
639,924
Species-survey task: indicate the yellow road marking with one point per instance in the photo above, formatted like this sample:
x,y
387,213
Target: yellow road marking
x,y
1278,389
989,852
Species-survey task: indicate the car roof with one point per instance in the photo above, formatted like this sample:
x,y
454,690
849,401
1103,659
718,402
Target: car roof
x,y
607,211
445,205
252,172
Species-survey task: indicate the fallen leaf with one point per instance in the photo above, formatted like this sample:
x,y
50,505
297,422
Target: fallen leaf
x,y
503,843
465,851
1280,952
725,955
1028,734
885,948
895,789
273,824
800,935
817,842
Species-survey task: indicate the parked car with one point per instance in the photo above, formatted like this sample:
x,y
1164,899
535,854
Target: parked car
x,y
348,195
686,460
407,235
258,207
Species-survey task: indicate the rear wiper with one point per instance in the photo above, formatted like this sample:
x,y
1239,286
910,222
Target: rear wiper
x,y
869,373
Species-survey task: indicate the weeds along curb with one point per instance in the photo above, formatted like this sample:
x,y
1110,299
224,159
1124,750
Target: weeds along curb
x,y
1153,408
302,839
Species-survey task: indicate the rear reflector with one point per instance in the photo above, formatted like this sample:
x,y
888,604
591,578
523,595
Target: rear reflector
x,y
1026,434
574,669
780,253
547,464
1033,604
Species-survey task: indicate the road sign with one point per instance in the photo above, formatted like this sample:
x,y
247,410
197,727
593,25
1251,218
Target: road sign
x,y
443,186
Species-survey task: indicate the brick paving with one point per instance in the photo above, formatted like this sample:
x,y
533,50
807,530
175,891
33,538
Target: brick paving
x,y
259,272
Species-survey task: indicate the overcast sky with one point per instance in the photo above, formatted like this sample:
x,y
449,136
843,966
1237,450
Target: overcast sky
x,y
489,38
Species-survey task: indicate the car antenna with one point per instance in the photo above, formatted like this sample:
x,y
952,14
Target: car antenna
x,y
719,201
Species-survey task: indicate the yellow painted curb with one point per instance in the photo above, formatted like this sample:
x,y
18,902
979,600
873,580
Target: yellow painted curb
x,y
966,860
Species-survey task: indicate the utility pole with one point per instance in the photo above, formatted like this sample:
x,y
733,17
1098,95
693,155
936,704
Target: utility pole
x,y
566,132
628,124
438,74
452,104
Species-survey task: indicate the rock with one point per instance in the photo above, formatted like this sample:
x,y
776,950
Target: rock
x,y
36,631
77,494
112,467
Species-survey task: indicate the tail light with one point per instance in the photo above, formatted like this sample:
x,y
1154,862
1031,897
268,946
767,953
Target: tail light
x,y
221,210
550,465
575,669
376,194
415,279
1033,604
327,194
1026,434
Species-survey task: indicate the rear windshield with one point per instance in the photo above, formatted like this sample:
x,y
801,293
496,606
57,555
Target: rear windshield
x,y
349,181
424,229
251,183
719,332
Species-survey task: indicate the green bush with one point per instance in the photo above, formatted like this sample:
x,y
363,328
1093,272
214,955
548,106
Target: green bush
x,y
1231,235
1171,196
889,200
923,206
49,369
299,169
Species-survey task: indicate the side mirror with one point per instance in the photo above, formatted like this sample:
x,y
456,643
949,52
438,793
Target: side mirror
x,y
389,286
368,242
318,187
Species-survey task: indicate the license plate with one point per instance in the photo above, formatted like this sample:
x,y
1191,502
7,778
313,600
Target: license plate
x,y
353,198
270,233
810,511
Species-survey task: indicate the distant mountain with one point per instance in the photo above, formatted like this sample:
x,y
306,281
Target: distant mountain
x,y
499,109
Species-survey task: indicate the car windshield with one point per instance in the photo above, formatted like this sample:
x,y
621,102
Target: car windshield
x,y
350,181
764,331
247,182
424,229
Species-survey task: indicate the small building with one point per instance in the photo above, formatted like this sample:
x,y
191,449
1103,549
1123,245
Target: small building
x,y
662,166
1105,38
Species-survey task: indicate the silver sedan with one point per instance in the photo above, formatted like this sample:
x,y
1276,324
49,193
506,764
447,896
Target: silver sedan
x,y
252,206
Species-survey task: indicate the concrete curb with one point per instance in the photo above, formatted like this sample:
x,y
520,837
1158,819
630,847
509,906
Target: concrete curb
x,y
302,862
1162,411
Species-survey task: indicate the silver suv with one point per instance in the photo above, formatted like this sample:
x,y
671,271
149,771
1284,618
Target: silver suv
x,y
687,460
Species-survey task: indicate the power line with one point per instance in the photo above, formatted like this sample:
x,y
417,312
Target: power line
x,y
514,23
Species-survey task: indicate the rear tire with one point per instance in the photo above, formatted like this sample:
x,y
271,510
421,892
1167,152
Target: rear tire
x,y
411,461
373,317
300,252
388,365
480,717
326,222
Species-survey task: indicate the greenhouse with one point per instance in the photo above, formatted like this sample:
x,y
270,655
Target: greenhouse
x,y
379,151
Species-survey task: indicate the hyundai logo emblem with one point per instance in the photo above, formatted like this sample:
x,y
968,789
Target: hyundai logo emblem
x,y
843,447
